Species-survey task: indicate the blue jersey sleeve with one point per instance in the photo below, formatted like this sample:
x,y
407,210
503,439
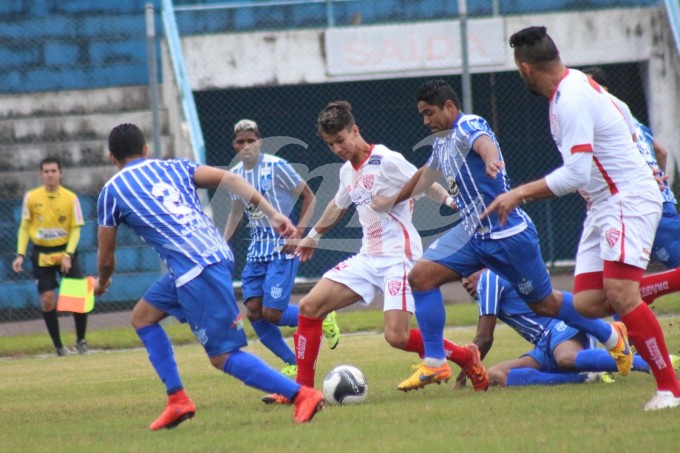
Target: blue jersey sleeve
x,y
108,211
489,291
286,176
470,130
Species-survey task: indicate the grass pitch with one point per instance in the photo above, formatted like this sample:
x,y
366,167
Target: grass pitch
x,y
105,401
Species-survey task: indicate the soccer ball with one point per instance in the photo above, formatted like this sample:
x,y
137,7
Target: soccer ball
x,y
345,384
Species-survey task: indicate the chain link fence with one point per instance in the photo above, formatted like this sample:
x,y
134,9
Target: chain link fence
x,y
67,79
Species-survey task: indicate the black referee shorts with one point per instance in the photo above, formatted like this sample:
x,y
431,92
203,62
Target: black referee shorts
x,y
47,276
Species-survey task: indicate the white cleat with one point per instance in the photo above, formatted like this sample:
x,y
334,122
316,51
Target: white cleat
x,y
662,400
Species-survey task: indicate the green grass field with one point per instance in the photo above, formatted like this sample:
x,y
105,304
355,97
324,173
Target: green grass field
x,y
105,401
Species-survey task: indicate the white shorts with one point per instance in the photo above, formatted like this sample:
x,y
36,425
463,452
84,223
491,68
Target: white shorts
x,y
366,275
619,228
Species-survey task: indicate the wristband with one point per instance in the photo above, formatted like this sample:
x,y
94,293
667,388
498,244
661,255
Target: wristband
x,y
313,234
450,202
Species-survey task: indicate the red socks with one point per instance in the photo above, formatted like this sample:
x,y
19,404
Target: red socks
x,y
657,285
456,354
307,343
645,333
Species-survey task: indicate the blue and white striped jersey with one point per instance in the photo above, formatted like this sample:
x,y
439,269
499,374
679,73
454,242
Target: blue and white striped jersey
x,y
496,297
645,140
468,183
157,199
276,180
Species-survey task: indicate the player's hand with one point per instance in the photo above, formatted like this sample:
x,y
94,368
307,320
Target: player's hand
x,y
18,264
305,249
493,168
660,180
381,203
292,242
461,380
503,205
66,264
100,289
282,225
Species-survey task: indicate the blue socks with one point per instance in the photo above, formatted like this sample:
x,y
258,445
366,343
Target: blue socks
x,y
596,327
289,317
431,316
253,372
161,355
600,360
530,376
270,336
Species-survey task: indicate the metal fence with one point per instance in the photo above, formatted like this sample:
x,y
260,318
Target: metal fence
x,y
97,53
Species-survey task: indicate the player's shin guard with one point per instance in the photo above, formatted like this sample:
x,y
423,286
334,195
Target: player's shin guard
x,y
657,285
270,336
307,344
431,316
161,356
596,327
645,333
528,376
253,372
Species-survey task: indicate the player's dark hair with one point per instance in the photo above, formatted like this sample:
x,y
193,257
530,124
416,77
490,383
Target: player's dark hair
x,y
597,74
126,140
335,117
437,92
50,160
533,45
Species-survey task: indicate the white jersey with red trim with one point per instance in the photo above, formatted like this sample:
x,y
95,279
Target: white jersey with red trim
x,y
599,154
384,172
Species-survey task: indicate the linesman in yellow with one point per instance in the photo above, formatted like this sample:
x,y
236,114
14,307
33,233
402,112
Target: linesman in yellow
x,y
51,219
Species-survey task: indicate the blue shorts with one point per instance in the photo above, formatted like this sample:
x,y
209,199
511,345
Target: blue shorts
x,y
207,304
543,351
516,259
271,280
666,247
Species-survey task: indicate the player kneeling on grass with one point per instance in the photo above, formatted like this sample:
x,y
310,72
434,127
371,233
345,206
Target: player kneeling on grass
x,y
561,354
390,246
158,200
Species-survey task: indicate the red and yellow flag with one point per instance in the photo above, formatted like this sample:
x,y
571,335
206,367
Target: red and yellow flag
x,y
76,295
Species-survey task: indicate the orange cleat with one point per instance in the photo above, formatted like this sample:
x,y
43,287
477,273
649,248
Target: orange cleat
x,y
179,408
475,370
275,398
307,403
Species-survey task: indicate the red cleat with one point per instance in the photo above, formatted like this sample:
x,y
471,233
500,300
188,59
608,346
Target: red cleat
x,y
307,403
179,408
475,370
275,398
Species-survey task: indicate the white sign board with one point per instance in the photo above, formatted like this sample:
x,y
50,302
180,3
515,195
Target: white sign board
x,y
413,47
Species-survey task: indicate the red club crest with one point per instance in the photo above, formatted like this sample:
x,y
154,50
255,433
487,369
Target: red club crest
x,y
393,287
368,181
612,235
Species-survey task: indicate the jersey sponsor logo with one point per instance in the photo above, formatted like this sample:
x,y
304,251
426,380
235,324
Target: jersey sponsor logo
x,y
374,160
253,213
454,190
368,181
201,336
393,287
276,292
525,287
51,233
612,236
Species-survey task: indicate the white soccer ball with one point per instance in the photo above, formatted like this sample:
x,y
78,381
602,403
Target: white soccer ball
x,y
345,384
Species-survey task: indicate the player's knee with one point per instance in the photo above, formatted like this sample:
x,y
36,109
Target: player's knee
x,y
567,362
419,281
497,376
397,340
271,315
47,301
309,308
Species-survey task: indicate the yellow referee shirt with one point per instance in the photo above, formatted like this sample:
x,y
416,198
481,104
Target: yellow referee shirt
x,y
50,219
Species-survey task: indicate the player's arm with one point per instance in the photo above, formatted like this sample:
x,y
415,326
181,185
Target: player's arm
x,y
234,218
331,215
303,192
488,151
661,154
438,194
106,258
420,182
23,235
213,178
